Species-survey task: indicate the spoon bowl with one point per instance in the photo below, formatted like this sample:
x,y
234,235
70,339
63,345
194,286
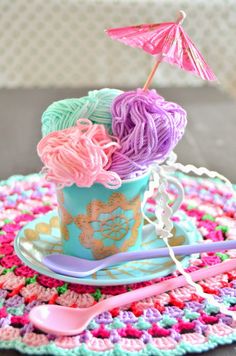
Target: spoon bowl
x,y
60,319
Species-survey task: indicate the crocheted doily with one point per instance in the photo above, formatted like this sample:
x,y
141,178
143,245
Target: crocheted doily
x,y
168,324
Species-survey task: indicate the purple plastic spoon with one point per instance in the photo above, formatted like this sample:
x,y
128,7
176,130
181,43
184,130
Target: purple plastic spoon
x,y
79,267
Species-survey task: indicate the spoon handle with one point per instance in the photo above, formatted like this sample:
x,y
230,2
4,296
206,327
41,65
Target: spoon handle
x,y
167,285
163,252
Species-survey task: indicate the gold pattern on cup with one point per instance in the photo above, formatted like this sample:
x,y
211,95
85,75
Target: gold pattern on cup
x,y
115,227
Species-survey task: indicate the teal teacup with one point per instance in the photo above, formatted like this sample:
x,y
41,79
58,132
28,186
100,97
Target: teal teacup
x,y
97,222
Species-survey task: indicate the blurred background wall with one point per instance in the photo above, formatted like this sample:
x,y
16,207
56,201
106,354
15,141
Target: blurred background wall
x,y
55,49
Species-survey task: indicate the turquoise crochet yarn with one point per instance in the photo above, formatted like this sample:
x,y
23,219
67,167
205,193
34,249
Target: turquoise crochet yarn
x,y
64,113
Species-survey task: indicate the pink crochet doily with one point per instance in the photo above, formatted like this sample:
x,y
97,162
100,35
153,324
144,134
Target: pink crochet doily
x,y
173,323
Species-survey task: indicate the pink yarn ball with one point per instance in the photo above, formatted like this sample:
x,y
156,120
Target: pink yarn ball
x,y
79,155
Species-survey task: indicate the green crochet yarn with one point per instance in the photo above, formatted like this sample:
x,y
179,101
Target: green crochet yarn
x,y
64,113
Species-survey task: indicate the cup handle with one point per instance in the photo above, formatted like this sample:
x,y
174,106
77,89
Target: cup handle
x,y
179,200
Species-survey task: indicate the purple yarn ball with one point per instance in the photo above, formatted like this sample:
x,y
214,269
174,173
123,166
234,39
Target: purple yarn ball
x,y
148,128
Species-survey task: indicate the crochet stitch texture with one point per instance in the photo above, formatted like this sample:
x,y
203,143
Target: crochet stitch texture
x,y
172,323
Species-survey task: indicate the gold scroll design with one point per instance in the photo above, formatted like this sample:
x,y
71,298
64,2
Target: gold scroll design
x,y
65,217
115,227
43,228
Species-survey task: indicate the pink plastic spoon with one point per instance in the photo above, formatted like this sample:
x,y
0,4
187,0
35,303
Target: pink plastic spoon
x,y
59,320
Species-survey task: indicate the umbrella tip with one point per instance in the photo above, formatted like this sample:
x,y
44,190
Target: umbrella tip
x,y
181,17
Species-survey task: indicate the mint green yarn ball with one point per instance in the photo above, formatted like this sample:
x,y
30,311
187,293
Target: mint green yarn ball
x,y
64,113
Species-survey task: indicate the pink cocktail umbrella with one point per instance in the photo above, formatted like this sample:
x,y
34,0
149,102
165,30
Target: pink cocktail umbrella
x,y
168,42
